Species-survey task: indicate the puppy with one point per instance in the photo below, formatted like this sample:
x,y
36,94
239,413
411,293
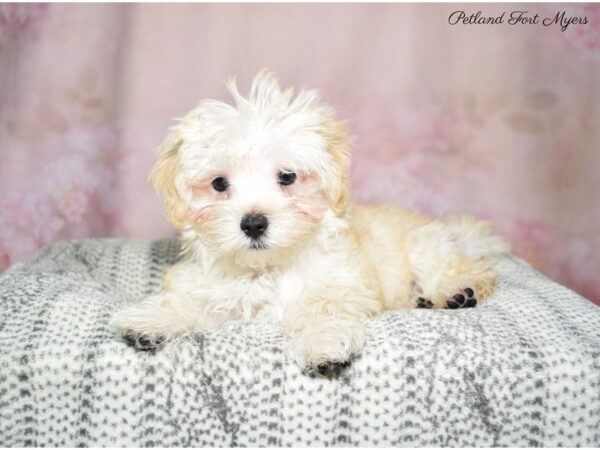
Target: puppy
x,y
259,193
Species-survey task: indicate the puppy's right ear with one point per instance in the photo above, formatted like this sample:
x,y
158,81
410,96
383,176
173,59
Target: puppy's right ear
x,y
164,178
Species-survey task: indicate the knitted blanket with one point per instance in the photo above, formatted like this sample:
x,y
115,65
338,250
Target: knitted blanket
x,y
520,370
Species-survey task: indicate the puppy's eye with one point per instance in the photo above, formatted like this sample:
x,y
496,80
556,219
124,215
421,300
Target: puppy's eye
x,y
220,184
286,178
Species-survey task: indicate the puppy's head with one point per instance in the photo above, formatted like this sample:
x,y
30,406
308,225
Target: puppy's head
x,y
254,180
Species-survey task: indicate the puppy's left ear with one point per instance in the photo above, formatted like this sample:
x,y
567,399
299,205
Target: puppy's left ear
x,y
338,144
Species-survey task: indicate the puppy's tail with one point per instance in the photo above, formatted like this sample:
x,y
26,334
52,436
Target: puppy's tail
x,y
476,237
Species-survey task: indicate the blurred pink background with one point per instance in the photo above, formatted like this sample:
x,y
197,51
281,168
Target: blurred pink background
x,y
498,121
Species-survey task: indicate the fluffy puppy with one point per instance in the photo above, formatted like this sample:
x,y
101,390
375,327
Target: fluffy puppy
x,y
259,192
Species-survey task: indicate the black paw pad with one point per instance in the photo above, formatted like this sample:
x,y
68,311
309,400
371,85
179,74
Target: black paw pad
x,y
451,304
331,367
459,298
464,299
424,303
144,342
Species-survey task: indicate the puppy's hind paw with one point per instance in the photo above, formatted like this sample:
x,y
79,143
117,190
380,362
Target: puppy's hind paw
x,y
463,299
424,303
144,342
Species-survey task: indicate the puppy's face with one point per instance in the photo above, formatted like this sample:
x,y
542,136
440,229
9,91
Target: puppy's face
x,y
253,181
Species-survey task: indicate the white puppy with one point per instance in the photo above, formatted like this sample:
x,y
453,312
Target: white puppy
x,y
259,192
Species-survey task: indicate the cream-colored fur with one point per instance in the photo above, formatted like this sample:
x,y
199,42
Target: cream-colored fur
x,y
323,267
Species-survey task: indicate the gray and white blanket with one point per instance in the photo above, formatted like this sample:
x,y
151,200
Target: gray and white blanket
x,y
520,370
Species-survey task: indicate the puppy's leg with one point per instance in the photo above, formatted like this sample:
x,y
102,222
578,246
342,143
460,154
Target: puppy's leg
x,y
451,262
174,311
326,330
158,318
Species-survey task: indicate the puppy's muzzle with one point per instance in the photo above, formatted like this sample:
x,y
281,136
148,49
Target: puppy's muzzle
x,y
254,225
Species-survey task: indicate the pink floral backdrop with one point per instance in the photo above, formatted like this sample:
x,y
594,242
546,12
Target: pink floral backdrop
x,y
499,121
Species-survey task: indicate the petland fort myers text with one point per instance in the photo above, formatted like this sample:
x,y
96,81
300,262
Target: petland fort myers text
x,y
560,19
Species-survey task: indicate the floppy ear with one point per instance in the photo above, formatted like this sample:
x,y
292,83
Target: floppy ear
x,y
163,178
338,146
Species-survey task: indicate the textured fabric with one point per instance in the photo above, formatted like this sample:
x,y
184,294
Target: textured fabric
x,y
520,370
498,121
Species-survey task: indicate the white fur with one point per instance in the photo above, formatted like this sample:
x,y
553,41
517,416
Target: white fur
x,y
325,267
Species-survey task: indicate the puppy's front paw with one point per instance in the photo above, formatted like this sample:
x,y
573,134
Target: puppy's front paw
x,y
463,299
327,349
144,341
331,368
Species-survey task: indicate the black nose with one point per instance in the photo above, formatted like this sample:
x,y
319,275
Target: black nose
x,y
254,225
